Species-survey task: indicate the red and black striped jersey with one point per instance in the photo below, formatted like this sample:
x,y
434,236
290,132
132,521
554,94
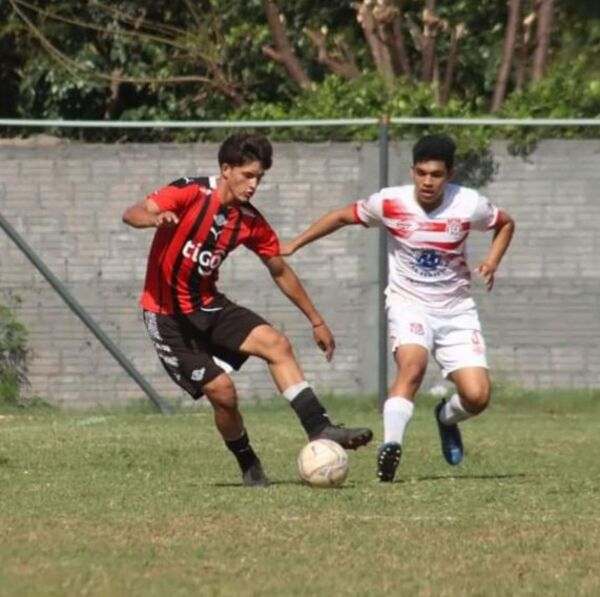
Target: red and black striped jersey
x,y
183,265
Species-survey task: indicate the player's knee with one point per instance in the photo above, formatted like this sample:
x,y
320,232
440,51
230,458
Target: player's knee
x,y
221,393
279,346
412,372
476,398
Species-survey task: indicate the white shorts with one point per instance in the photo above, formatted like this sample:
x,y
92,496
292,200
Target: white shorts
x,y
453,339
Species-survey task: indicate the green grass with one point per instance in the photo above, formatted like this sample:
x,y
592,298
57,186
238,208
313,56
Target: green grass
x,y
134,503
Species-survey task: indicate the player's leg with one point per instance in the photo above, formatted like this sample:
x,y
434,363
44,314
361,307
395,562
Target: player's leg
x,y
275,348
460,351
474,388
471,398
410,337
222,395
183,353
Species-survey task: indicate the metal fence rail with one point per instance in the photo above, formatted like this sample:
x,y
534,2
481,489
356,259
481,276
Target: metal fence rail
x,y
220,124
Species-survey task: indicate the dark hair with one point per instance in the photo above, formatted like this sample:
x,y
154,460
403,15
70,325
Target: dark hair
x,y
243,148
435,147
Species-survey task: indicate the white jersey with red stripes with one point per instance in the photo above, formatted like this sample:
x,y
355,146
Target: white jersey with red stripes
x,y
427,250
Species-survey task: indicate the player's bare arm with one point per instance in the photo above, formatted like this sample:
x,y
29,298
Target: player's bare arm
x,y
289,284
146,214
330,222
503,233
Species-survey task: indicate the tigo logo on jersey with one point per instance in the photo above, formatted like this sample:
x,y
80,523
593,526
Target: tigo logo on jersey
x,y
208,261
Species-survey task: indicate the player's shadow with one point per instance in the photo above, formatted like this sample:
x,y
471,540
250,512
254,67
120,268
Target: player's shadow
x,y
352,485
466,477
283,482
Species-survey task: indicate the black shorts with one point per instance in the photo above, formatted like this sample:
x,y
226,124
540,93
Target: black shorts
x,y
194,348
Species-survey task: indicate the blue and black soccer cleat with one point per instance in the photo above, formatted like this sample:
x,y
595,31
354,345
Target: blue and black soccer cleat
x,y
388,459
452,446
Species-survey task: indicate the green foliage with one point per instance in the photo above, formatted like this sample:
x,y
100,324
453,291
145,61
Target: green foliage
x,y
14,353
569,90
369,97
154,43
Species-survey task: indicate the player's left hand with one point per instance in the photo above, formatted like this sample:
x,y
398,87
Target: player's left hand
x,y
324,339
486,270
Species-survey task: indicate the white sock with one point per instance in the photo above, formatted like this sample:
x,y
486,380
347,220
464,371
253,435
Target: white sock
x,y
291,392
397,412
454,411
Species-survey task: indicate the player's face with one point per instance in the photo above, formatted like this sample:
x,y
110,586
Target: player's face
x,y
430,180
242,180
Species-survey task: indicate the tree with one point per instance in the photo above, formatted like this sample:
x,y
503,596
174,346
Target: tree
x,y
209,59
510,37
545,14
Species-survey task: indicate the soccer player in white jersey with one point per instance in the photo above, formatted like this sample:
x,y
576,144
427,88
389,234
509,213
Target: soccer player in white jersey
x,y
428,297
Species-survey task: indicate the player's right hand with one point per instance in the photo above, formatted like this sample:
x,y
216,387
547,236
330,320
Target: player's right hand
x,y
286,250
324,339
166,219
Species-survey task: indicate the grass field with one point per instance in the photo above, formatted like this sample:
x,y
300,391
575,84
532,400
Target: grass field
x,y
135,503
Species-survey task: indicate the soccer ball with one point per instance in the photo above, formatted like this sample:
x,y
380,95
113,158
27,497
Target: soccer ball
x,y
323,463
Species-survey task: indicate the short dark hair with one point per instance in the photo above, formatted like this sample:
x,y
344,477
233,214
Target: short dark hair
x,y
435,147
242,148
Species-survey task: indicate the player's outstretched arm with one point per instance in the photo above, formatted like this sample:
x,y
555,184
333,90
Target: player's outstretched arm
x,y
504,230
329,223
290,285
146,214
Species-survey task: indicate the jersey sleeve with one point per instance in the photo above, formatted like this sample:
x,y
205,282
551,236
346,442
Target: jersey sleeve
x,y
263,240
485,215
174,197
369,212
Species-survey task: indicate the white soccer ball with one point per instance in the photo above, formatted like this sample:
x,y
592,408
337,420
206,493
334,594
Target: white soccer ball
x,y
323,463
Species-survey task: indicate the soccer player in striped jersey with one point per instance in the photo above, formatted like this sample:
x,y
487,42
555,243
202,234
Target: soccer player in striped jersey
x,y
199,335
428,297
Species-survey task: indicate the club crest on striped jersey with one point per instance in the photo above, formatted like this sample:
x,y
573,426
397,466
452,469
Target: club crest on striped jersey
x,y
220,220
454,227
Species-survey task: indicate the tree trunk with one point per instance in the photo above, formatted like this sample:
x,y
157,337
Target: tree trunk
x,y
457,33
524,51
428,41
341,63
375,39
400,46
283,52
545,13
514,9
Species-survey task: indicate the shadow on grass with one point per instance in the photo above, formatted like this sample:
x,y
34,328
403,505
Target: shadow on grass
x,y
289,482
463,477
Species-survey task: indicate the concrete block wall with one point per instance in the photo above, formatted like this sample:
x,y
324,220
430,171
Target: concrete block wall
x,y
66,199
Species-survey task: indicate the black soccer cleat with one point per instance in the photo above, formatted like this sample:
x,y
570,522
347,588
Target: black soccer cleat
x,y
388,459
255,476
349,438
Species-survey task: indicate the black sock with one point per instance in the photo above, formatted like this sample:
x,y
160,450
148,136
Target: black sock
x,y
243,452
311,413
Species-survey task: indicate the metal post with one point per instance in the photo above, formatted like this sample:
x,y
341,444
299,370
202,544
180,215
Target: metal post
x,y
384,125
82,314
